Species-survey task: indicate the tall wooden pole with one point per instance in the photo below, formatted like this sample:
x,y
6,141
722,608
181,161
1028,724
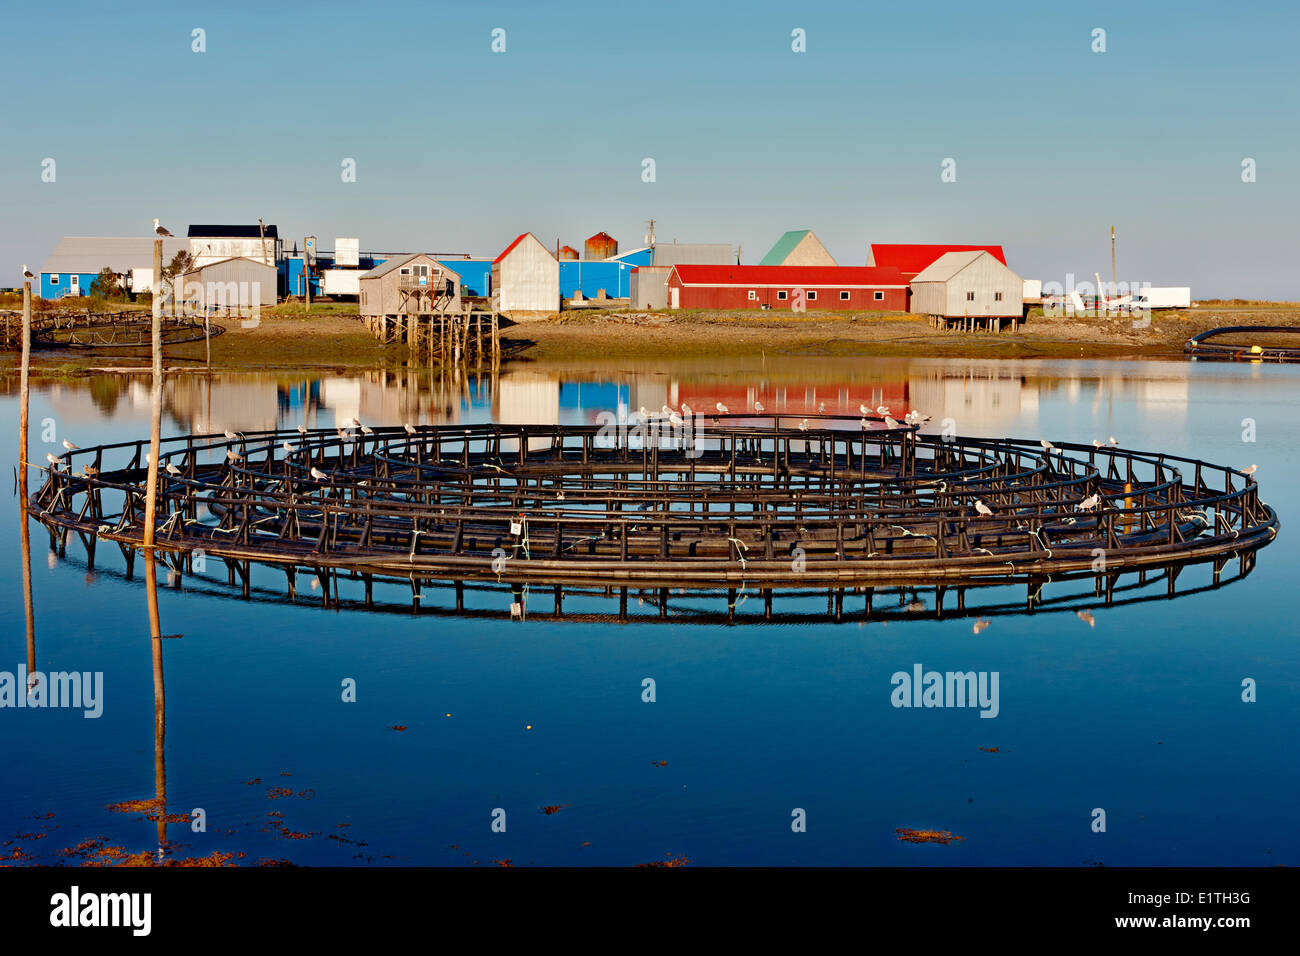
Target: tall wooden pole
x,y
155,401
22,482
306,271
23,389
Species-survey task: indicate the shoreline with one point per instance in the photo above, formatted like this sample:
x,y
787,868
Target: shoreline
x,y
331,338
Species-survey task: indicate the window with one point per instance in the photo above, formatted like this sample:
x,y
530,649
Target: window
x,y
997,296
54,278
878,296
812,293
752,295
781,294
970,296
844,297
405,271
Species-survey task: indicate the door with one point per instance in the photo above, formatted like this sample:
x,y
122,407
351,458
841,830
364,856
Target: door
x,y
76,283
676,295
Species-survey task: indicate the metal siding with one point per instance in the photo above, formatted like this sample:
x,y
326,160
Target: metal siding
x,y
527,278
736,298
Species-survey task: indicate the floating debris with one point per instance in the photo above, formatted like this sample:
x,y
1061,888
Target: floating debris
x,y
943,837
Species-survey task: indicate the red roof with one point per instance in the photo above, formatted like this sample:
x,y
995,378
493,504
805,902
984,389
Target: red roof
x,y
911,258
823,277
506,252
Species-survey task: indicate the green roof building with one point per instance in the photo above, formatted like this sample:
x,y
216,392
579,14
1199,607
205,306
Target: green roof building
x,y
799,247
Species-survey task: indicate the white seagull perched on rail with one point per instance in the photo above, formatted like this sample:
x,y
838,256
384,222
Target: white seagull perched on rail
x,y
863,409
172,469
27,272
159,230
722,409
302,429
1087,504
1250,470
1047,445
52,460
319,475
982,508
1096,443
1112,440
890,422
686,410
233,436
410,429
758,407
821,409
69,446
234,455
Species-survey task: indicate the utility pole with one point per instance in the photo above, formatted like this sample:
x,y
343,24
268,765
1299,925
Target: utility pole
x,y
1113,285
306,268
261,231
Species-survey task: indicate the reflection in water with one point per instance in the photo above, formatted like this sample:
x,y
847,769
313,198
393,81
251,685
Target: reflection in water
x,y
159,702
982,398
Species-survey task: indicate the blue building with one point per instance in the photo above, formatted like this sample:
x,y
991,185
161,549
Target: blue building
x,y
77,260
612,275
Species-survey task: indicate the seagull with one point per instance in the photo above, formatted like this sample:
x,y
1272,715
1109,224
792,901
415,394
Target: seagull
x,y
289,449
758,407
643,413
410,429
352,423
686,410
980,624
52,460
27,273
821,409
675,419
1098,444
890,423
882,409
234,455
319,475
302,429
722,409
367,430
159,230
1087,504
665,411
233,436
865,424
1087,618
803,425
1112,440
1250,470
69,446
172,469
89,470
982,508
1047,445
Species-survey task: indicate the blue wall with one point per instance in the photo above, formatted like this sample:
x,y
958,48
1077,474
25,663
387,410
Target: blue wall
x,y
51,291
592,275
475,274
640,257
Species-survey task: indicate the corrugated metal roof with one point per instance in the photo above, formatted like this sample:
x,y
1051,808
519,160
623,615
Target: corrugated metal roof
x,y
948,265
232,232
784,246
911,258
822,277
88,254
388,265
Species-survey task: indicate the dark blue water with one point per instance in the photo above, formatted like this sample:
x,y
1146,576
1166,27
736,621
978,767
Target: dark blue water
x,y
1140,715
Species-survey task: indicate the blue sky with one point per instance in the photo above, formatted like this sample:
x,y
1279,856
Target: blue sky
x,y
460,149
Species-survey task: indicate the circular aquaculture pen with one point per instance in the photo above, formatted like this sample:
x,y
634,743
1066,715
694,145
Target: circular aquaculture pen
x,y
122,330
1247,343
713,502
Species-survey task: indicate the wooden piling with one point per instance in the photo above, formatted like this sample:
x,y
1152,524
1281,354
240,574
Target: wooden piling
x,y
155,400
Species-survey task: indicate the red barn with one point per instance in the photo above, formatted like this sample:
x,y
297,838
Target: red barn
x,y
836,288
911,258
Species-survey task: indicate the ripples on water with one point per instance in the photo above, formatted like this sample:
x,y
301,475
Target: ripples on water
x,y
1137,711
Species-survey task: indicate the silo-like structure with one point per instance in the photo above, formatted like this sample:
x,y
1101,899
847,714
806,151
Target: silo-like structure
x,y
601,246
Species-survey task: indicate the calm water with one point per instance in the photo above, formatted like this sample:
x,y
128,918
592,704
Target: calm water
x,y
1140,715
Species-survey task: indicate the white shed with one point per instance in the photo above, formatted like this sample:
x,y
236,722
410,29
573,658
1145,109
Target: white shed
x,y
970,284
526,277
228,285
